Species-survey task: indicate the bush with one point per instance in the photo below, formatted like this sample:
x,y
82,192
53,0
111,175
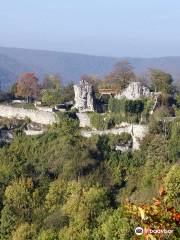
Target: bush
x,y
136,106
101,122
116,106
157,124
123,138
125,106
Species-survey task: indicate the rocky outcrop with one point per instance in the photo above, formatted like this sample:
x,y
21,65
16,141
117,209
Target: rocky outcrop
x,y
134,91
84,97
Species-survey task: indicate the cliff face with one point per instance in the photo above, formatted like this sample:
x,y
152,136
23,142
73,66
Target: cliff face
x,y
134,91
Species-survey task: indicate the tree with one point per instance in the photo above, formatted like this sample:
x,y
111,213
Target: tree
x,y
52,90
27,85
174,141
172,185
113,225
154,216
122,74
8,223
52,82
84,206
18,197
56,195
161,81
68,92
156,124
48,235
75,232
25,232
51,96
13,89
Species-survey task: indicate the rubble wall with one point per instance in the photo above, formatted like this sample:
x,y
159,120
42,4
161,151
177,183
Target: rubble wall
x,y
37,116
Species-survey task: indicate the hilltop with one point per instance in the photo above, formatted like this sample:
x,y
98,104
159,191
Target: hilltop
x,y
14,61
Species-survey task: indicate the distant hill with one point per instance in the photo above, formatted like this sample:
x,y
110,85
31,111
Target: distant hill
x,y
14,61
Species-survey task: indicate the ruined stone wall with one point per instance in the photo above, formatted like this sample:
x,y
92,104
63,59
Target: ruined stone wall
x,y
37,116
137,131
84,97
84,120
134,91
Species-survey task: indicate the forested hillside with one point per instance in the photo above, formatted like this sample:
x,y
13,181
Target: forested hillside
x,y
63,186
70,66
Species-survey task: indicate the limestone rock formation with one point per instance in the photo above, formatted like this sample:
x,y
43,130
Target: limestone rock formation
x,y
134,91
84,97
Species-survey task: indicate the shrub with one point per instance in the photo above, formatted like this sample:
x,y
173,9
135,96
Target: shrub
x,y
101,122
116,106
134,106
123,138
125,106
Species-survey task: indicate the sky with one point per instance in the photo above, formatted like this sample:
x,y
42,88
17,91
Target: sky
x,y
122,28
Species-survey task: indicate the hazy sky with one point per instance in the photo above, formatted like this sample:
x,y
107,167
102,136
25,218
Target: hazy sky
x,y
122,28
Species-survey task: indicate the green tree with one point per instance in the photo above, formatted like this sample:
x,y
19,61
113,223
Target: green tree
x,y
113,225
51,96
13,89
52,90
75,232
174,141
25,232
68,93
8,223
56,195
172,185
52,82
83,206
48,235
18,197
161,81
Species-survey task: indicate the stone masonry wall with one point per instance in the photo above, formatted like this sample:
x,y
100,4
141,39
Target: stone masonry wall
x,y
137,131
37,116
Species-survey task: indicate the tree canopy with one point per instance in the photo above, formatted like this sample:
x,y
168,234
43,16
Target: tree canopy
x,y
27,85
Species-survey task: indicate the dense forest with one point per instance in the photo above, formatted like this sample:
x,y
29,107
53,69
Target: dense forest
x,y
63,186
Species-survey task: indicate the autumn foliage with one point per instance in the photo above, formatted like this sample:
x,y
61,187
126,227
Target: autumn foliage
x,y
27,85
157,215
